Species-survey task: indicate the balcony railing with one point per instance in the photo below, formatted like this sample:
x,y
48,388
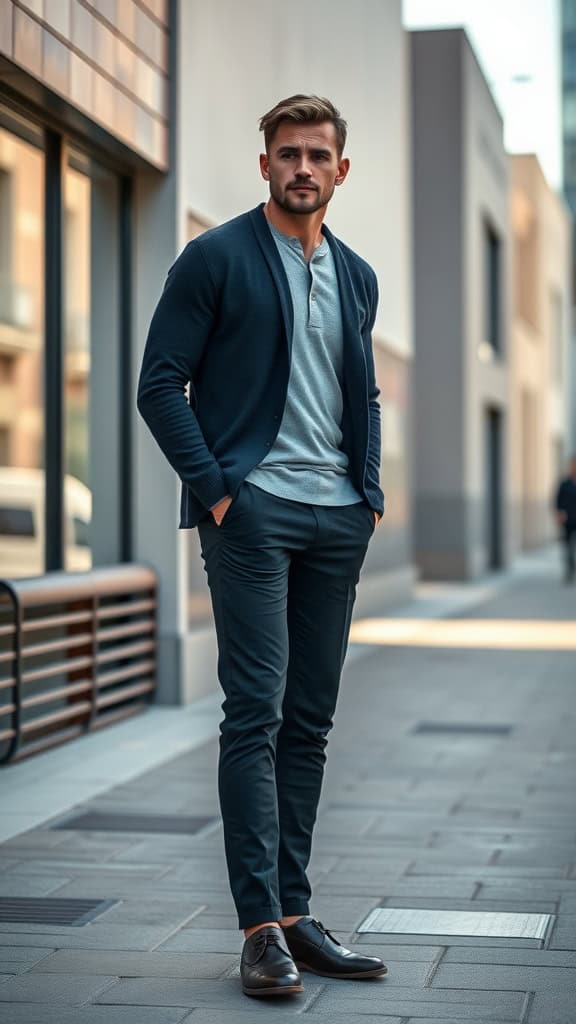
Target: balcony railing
x,y
77,652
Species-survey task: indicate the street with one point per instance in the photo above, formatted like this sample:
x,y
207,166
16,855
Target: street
x,y
450,787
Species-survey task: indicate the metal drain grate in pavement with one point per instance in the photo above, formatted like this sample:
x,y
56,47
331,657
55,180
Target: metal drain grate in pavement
x,y
46,910
475,924
97,821
462,729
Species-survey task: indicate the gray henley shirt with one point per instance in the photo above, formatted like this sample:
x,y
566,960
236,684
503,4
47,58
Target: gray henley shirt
x,y
306,462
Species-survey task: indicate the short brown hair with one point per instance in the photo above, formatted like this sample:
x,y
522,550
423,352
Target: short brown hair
x,y
304,110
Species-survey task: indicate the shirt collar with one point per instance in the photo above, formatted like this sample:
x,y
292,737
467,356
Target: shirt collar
x,y
295,243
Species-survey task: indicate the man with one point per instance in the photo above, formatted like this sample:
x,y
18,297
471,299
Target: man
x,y
566,515
269,317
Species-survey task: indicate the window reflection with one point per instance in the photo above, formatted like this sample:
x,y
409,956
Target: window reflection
x,y
21,357
77,297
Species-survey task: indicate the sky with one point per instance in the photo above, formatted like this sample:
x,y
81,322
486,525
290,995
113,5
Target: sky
x,y
518,45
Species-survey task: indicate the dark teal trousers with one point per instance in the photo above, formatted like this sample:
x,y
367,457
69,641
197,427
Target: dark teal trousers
x,y
282,576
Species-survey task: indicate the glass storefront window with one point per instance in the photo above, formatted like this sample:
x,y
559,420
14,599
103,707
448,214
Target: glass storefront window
x,y
77,306
93,461
21,357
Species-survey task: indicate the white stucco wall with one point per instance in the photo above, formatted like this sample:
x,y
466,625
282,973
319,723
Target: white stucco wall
x,y
487,384
238,59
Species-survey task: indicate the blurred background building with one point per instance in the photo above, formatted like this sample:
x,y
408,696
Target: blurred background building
x,y
128,127
461,295
569,154
541,246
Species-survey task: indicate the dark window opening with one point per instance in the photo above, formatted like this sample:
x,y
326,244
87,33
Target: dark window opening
x,y
492,297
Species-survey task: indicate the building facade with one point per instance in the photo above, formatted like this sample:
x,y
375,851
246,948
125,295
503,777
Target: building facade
x,y
123,132
541,350
461,313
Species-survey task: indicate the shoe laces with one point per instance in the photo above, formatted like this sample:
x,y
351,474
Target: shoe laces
x,y
265,938
326,932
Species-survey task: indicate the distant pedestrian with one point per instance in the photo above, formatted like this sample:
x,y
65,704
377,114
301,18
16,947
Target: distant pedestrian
x,y
269,317
566,515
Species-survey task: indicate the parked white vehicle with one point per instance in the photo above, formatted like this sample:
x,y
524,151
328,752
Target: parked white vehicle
x,y
22,541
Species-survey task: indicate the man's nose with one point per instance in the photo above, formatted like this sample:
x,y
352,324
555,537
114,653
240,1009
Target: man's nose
x,y
303,169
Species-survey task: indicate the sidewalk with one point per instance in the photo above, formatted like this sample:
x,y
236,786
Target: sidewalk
x,y
450,787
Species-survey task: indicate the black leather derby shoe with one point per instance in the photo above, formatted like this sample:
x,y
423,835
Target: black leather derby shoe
x,y
267,967
315,949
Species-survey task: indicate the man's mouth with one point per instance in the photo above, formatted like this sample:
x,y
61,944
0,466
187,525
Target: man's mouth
x,y
303,188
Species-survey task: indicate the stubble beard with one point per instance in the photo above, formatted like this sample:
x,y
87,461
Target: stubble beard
x,y
289,201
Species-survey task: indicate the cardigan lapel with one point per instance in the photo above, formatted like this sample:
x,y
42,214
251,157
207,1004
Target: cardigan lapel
x,y
355,375
276,267
355,372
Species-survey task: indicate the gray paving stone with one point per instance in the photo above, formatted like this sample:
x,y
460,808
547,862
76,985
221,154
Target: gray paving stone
x,y
37,839
64,990
88,867
169,847
452,888
540,887
113,936
121,887
30,885
33,1013
65,853
525,957
564,934
166,913
6,862
203,940
498,1007
19,960
527,891
483,873
397,951
534,858
506,978
137,965
552,1008
568,904
209,919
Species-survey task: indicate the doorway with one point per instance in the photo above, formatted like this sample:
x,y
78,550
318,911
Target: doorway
x,y
493,488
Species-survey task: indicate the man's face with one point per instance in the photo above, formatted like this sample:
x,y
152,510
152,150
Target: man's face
x,y
303,166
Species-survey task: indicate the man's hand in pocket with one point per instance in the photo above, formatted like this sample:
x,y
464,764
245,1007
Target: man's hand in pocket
x,y
220,510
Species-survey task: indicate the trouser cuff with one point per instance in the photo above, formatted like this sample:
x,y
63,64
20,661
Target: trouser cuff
x,y
258,915
290,908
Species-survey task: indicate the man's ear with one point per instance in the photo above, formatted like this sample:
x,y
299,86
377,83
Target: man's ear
x,y
264,166
343,168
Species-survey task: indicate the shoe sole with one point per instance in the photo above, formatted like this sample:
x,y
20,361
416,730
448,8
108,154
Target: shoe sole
x,y
288,990
357,976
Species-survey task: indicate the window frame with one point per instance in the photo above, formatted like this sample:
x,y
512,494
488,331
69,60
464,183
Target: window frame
x,y
60,146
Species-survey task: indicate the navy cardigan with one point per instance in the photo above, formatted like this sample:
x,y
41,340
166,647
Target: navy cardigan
x,y
224,324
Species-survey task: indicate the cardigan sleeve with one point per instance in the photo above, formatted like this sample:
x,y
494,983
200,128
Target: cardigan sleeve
x,y
373,457
179,332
